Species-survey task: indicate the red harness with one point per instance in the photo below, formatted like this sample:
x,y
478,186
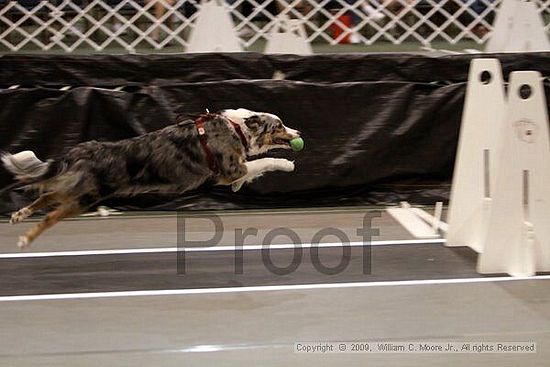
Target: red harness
x,y
212,161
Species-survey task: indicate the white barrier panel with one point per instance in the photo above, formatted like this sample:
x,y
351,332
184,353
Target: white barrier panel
x,y
288,36
479,143
518,236
518,28
214,30
136,24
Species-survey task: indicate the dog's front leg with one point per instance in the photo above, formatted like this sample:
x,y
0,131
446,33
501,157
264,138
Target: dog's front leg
x,y
260,166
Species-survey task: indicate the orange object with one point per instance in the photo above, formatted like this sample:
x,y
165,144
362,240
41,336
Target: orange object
x,y
337,30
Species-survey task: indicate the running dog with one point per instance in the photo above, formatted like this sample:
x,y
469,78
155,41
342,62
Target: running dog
x,y
213,147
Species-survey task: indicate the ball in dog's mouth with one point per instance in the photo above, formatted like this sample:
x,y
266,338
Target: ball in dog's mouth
x,y
297,144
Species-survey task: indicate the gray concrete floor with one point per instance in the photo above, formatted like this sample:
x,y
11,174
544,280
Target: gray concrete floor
x,y
259,327
147,230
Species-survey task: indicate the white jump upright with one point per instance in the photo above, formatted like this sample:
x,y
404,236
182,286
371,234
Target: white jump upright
x,y
214,30
518,27
288,36
517,240
479,144
414,224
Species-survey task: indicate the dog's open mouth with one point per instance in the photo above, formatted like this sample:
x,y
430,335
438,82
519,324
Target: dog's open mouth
x,y
281,141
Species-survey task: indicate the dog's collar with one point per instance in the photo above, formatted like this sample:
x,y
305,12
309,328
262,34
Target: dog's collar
x,y
239,132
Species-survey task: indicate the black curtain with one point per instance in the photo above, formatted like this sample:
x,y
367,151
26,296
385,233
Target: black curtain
x,y
378,127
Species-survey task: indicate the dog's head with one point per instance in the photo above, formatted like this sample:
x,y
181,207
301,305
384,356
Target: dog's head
x,y
264,131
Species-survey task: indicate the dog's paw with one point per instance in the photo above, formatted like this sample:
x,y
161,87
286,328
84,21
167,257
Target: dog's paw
x,y
285,165
236,186
20,215
23,242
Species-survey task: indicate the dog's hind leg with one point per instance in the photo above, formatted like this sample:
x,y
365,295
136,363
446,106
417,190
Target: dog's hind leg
x,y
43,201
63,211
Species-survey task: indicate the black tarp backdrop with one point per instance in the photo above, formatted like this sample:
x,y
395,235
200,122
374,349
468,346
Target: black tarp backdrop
x,y
378,127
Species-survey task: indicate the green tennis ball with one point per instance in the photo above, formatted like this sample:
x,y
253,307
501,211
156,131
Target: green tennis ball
x,y
297,144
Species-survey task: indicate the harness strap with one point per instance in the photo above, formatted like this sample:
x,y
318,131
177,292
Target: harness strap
x,y
212,162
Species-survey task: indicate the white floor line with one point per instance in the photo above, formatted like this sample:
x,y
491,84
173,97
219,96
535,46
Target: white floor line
x,y
292,287
19,255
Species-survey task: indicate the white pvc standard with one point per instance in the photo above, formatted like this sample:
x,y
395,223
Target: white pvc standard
x,y
214,30
412,222
479,144
288,36
528,33
503,26
518,27
517,241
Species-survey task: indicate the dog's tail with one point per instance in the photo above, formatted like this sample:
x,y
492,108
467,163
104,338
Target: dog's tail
x,y
27,169
24,166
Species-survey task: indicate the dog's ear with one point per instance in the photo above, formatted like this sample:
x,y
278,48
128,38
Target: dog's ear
x,y
253,122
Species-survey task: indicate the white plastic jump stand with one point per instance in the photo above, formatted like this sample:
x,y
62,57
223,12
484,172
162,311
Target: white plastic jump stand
x,y
479,143
517,241
288,36
529,33
214,30
518,27
414,224
503,26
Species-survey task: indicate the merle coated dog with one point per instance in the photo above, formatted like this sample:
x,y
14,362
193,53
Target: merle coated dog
x,y
178,158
